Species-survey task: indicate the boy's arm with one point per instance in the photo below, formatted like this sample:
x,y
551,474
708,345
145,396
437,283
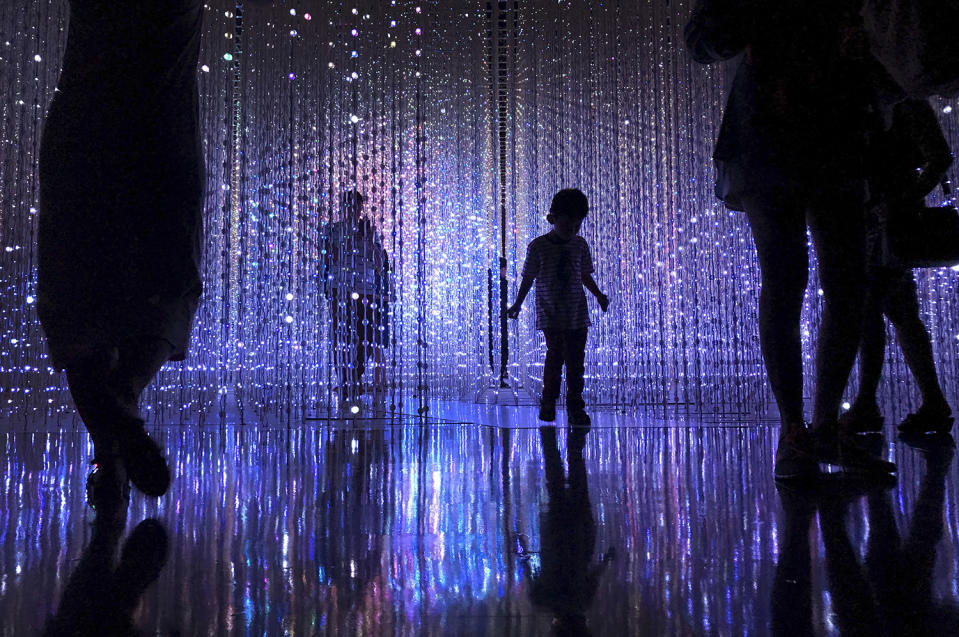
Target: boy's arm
x,y
524,287
590,285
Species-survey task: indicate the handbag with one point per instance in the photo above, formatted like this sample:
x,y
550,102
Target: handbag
x,y
915,41
914,235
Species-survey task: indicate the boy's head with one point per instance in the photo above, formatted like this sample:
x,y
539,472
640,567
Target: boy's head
x,y
568,209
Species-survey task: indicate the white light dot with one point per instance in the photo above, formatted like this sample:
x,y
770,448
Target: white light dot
x,y
846,406
354,118
30,300
37,58
289,296
292,11
205,68
354,296
354,409
947,109
288,319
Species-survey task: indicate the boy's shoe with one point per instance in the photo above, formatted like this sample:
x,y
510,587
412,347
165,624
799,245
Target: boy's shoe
x,y
795,461
927,419
579,418
835,447
861,420
547,411
144,462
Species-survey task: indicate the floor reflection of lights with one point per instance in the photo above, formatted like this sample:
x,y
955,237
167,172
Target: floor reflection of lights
x,y
450,525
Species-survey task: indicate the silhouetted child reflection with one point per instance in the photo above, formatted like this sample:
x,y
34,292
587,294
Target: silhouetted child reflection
x,y
357,273
568,577
102,593
561,265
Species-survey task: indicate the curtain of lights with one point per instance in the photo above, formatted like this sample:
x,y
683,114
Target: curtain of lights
x,y
458,121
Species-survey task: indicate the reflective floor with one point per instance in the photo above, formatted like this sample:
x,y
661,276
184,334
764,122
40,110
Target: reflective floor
x,y
476,522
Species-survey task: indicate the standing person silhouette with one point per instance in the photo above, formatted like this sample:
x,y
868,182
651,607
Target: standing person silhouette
x,y
791,153
909,161
561,266
121,195
357,275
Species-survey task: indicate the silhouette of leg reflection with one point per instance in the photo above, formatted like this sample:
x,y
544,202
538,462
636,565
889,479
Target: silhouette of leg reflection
x,y
102,593
568,579
901,571
792,587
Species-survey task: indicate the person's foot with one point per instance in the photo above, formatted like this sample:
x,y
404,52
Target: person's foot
x,y
861,419
108,490
144,462
936,419
835,447
141,560
579,418
795,461
547,411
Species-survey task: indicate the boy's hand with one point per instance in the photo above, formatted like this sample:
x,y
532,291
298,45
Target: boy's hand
x,y
603,302
513,311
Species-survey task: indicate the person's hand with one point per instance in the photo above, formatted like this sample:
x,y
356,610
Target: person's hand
x,y
603,302
513,311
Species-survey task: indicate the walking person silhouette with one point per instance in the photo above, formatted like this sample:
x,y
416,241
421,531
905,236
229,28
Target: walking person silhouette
x,y
119,238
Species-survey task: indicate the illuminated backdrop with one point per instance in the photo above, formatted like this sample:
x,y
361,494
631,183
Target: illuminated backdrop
x,y
447,115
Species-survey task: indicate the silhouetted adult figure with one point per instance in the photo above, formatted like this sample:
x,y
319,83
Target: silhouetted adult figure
x,y
791,153
568,578
908,161
357,273
121,193
103,592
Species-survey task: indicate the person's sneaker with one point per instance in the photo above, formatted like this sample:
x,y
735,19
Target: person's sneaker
x,y
579,418
547,411
835,447
794,456
145,465
861,420
107,487
927,419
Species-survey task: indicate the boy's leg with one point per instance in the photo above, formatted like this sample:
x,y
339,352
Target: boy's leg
x,y
574,351
552,373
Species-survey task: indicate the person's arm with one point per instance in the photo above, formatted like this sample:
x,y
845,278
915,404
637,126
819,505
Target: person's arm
x,y
590,285
717,29
923,125
524,287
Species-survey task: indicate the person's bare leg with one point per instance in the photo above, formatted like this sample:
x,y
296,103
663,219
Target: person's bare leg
x,y
837,226
902,308
779,231
872,344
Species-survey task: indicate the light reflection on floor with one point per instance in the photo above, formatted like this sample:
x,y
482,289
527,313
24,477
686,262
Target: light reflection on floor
x,y
458,525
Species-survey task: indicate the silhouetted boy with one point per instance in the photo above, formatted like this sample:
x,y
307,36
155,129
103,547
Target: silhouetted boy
x,y
560,263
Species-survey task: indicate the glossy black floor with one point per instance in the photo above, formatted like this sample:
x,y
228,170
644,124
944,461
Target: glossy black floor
x,y
475,521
